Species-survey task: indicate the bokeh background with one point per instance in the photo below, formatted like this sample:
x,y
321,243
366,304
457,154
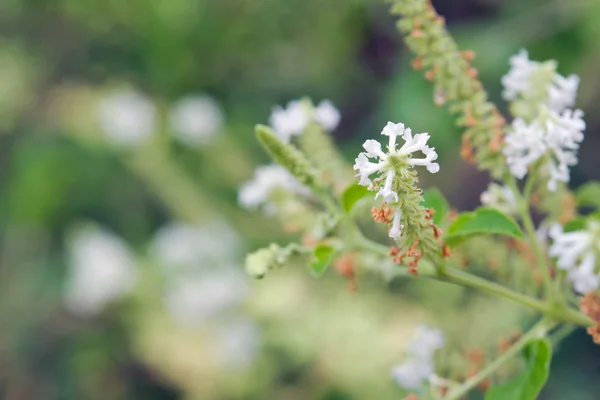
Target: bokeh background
x,y
160,220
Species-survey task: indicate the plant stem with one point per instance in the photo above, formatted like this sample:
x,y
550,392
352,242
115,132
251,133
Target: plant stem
x,y
525,214
538,330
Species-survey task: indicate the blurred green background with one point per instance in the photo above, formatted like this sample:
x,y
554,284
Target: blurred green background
x,y
289,337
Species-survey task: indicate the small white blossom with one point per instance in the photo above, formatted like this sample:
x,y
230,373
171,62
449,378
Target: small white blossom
x,y
327,115
182,247
561,91
267,178
291,120
523,145
419,366
127,118
397,227
576,253
101,269
192,300
196,119
500,197
385,166
238,342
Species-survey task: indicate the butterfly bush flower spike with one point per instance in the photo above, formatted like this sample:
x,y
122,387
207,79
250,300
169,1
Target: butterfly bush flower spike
x,y
576,253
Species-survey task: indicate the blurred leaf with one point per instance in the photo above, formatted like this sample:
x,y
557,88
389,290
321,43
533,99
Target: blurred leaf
x,y
435,200
352,195
323,255
483,221
588,195
576,224
528,384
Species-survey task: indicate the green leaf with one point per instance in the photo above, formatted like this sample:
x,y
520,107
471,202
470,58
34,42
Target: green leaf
x,y
588,195
352,195
483,221
527,384
434,199
576,224
323,255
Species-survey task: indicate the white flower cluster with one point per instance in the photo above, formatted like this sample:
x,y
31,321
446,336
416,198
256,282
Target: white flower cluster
x,y
101,269
196,119
419,365
388,164
556,132
521,77
199,265
501,197
127,118
295,117
577,254
257,192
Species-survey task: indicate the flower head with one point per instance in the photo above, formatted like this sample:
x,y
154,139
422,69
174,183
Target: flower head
x,y
196,119
289,121
391,164
127,118
576,253
419,365
268,178
326,115
500,197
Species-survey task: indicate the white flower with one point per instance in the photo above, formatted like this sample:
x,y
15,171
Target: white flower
x,y
196,119
523,145
101,269
518,79
419,366
562,92
397,227
289,121
412,374
576,253
257,191
500,197
521,78
238,342
127,118
192,300
181,246
385,165
326,115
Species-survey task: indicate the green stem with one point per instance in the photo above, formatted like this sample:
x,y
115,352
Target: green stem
x,y
525,214
538,330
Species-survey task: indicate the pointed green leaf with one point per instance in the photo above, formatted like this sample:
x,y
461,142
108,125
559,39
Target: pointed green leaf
x,y
576,224
352,195
528,384
434,199
323,255
483,221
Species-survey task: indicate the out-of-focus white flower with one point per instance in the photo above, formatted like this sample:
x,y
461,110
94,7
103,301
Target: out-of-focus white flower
x,y
555,136
523,145
238,342
181,246
192,300
196,119
501,197
101,269
127,118
521,79
419,366
267,178
327,115
388,162
576,253
291,120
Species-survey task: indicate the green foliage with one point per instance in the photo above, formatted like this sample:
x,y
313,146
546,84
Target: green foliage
x,y
527,384
588,195
352,195
435,200
575,224
483,221
323,255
